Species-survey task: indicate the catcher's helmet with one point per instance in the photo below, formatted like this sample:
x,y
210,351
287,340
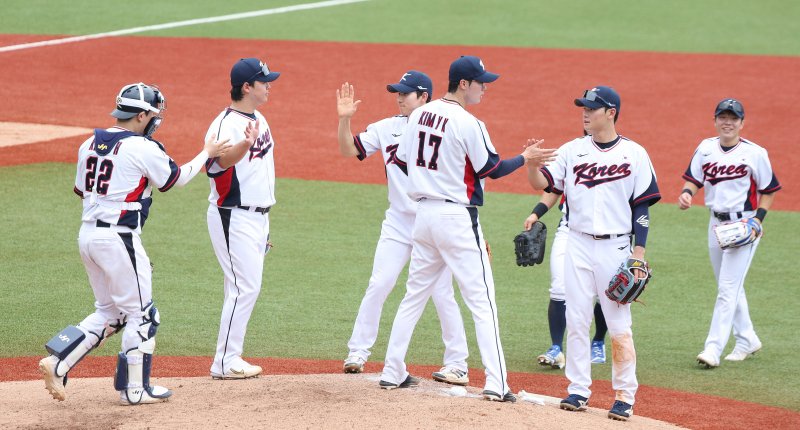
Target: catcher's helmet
x,y
135,98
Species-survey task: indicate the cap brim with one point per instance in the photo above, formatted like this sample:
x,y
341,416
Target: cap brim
x,y
400,88
487,77
118,114
267,78
589,104
719,111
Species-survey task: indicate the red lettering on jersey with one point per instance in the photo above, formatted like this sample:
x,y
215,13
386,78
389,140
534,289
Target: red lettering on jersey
x,y
444,123
590,175
714,173
430,119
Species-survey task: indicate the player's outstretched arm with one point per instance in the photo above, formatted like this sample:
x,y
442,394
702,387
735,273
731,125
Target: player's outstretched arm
x,y
237,151
346,107
212,149
685,199
545,203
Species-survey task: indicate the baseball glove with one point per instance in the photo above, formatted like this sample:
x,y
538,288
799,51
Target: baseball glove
x,y
624,287
529,245
739,233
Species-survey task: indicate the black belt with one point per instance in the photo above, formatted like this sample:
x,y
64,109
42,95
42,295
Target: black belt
x,y
102,224
254,209
604,236
725,216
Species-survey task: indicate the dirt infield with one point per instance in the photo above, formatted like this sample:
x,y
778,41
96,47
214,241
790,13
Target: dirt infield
x,y
311,398
667,99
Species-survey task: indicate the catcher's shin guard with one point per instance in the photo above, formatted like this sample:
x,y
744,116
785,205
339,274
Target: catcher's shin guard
x,y
132,378
68,348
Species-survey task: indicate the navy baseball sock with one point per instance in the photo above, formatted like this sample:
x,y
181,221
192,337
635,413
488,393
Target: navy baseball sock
x,y
557,318
600,327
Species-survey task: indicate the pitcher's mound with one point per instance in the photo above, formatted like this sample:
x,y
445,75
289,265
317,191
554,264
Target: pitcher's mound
x,y
330,401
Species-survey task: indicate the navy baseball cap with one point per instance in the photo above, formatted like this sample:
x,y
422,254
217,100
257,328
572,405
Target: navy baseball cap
x,y
251,69
412,81
731,105
470,68
599,97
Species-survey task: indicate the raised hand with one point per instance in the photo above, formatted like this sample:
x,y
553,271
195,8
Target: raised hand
x,y
345,104
535,155
216,148
250,133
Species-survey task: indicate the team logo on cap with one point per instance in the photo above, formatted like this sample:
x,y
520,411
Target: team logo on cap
x,y
481,63
404,76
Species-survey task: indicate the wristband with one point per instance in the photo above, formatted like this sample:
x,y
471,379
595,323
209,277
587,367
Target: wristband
x,y
540,209
760,214
686,190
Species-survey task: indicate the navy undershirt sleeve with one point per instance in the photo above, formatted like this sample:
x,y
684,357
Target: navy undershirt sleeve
x,y
504,167
641,223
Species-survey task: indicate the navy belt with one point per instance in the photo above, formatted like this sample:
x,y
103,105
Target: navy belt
x,y
254,209
102,224
725,216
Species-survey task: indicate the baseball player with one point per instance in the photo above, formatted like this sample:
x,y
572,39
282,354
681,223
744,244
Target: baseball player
x,y
448,154
556,310
739,185
394,246
242,193
610,183
117,169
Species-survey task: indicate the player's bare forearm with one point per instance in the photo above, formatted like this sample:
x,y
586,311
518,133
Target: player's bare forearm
x,y
346,146
638,252
549,199
685,198
234,154
536,178
765,201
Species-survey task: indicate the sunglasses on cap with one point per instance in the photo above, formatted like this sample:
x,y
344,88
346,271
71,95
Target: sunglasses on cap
x,y
264,70
592,96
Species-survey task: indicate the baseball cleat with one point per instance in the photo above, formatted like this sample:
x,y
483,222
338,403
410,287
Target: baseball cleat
x,y
494,397
155,394
574,402
621,411
410,382
451,375
53,383
553,358
354,364
242,371
598,352
741,355
706,359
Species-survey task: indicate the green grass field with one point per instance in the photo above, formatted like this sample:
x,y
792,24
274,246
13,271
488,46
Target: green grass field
x,y
325,233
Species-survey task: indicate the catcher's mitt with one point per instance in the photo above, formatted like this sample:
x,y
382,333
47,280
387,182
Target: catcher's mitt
x,y
739,233
529,245
624,288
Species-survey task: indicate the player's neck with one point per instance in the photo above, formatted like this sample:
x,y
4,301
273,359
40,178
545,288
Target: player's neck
x,y
728,141
243,106
457,97
606,135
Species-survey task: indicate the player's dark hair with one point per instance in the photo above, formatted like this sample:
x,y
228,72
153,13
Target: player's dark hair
x,y
616,114
452,87
236,92
420,93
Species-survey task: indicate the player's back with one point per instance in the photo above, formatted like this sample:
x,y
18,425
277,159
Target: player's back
x,y
443,144
114,173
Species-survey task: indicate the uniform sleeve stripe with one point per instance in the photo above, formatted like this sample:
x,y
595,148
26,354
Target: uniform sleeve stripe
x,y
78,192
173,177
692,180
362,153
654,196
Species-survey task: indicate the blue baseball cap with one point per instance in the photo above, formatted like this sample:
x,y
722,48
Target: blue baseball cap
x,y
599,97
412,81
251,69
732,105
470,68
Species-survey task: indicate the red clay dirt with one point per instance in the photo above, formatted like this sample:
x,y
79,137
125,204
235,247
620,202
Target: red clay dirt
x,y
668,102
667,99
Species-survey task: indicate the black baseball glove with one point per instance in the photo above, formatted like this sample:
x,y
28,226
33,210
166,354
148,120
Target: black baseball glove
x,y
529,245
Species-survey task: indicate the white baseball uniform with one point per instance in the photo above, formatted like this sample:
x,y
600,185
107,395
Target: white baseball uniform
x,y
448,153
602,184
733,180
558,251
116,171
238,223
394,250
